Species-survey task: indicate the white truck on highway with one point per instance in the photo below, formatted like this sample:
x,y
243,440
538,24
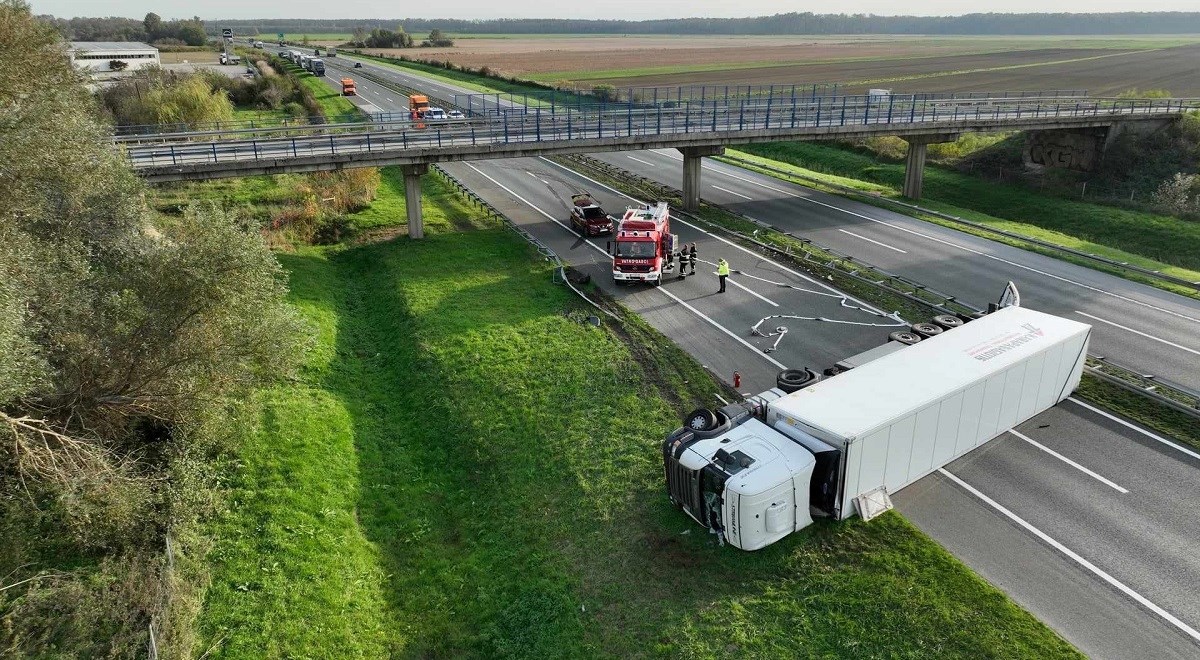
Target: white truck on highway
x,y
755,471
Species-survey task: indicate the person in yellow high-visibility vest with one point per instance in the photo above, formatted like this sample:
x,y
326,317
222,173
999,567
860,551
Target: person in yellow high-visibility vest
x,y
722,273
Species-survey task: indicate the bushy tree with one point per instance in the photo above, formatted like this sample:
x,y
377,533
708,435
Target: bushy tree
x,y
1179,195
119,334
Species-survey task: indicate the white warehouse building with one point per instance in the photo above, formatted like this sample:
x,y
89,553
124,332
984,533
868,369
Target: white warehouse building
x,y
99,55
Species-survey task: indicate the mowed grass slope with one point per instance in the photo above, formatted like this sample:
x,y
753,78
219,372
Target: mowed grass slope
x,y
465,469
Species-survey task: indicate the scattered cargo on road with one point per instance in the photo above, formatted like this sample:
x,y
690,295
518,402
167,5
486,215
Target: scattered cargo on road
x,y
755,471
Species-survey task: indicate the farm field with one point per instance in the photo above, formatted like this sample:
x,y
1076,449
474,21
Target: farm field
x,y
1102,65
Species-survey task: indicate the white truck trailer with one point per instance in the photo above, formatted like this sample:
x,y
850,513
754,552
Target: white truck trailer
x,y
756,471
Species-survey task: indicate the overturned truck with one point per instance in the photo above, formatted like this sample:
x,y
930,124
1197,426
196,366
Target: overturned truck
x,y
758,470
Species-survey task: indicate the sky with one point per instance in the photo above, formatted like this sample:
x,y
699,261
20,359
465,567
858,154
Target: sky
x,y
625,9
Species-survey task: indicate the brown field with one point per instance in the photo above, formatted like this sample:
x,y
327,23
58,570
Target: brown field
x,y
1101,65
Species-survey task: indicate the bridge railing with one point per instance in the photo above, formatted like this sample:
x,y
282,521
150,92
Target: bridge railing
x,y
542,125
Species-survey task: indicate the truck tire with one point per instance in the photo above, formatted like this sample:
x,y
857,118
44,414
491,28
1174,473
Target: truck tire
x,y
700,420
721,426
791,380
946,321
905,337
926,330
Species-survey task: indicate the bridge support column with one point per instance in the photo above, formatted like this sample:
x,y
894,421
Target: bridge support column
x,y
693,157
914,162
412,199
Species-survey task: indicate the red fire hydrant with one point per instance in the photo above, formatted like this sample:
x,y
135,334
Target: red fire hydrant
x,y
737,379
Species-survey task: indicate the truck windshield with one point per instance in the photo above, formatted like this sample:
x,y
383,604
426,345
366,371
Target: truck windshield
x,y
635,249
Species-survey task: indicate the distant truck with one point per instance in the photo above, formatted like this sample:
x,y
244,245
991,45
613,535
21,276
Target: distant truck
x,y
348,88
588,218
317,66
332,52
643,239
417,105
755,471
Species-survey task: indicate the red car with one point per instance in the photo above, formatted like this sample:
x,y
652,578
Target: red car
x,y
588,218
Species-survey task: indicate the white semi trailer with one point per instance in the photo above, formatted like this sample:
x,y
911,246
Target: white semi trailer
x,y
756,471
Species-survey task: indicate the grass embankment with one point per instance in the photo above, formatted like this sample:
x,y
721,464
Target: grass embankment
x,y
1147,240
466,469
333,105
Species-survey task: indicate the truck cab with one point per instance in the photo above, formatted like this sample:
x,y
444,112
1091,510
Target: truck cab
x,y
643,239
348,87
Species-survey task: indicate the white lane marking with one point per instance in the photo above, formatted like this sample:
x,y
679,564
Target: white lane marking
x,y
738,194
1139,332
871,240
1135,427
670,295
961,247
756,295
723,329
643,162
1068,461
1142,600
735,246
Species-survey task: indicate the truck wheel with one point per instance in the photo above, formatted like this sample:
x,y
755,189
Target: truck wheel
x,y
926,330
657,282
791,380
700,419
946,321
905,337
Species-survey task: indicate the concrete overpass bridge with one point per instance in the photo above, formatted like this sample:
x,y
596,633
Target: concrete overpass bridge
x,y
503,129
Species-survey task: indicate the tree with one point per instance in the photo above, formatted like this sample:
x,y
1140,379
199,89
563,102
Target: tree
x,y
437,39
153,24
190,32
1179,195
120,334
360,36
118,65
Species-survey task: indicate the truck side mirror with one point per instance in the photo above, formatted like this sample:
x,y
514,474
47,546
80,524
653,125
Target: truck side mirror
x,y
608,247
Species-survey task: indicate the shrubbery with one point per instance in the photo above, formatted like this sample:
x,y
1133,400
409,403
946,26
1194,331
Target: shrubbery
x,y
124,337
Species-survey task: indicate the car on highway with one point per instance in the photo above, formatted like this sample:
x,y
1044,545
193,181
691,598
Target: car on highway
x,y
587,217
358,65
457,114
434,113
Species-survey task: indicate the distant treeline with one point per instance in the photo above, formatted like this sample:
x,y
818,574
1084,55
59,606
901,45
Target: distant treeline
x,y
793,23
152,28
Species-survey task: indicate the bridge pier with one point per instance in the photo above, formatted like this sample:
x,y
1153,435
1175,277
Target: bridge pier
x,y
412,198
693,157
914,161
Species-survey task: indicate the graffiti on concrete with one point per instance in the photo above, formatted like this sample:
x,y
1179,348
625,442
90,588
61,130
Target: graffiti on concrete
x,y
1064,149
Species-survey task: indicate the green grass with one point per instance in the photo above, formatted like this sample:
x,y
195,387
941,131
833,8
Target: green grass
x,y
333,104
465,469
1148,239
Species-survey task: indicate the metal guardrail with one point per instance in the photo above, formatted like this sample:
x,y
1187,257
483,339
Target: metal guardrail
x,y
1112,263
1172,395
542,125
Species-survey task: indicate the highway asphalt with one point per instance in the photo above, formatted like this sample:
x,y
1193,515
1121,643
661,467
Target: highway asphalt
x,y
1093,528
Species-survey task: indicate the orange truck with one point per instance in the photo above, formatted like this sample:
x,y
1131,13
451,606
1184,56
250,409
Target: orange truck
x,y
348,87
417,105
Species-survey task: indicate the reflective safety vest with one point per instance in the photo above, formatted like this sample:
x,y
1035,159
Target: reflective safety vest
x,y
722,267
